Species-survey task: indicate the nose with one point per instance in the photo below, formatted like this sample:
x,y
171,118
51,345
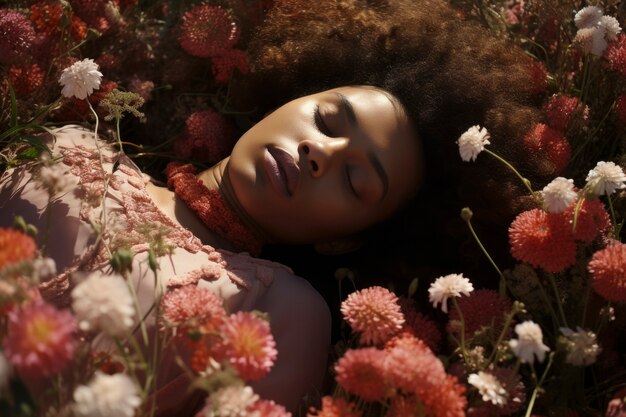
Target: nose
x,y
319,154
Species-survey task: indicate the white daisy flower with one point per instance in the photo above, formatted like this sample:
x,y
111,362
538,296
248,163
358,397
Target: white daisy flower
x,y
587,17
231,401
80,79
103,302
559,194
106,396
449,286
489,387
592,40
605,178
582,346
529,343
473,142
612,27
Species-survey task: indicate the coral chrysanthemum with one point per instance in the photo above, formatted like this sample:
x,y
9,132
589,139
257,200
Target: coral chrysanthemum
x,y
17,36
208,137
15,246
373,312
335,407
562,110
592,219
193,308
551,143
362,372
483,308
208,31
268,408
542,239
608,271
447,400
40,340
247,344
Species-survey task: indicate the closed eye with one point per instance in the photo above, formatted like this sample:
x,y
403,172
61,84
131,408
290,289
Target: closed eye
x,y
318,120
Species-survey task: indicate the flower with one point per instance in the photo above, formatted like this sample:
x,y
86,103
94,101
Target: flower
x,y
25,79
193,308
482,309
587,17
562,111
17,36
592,40
15,246
208,137
559,194
207,31
40,340
374,312
231,401
449,286
488,387
612,27
473,142
550,142
420,326
106,396
529,343
581,345
615,55
605,178
539,76
608,272
225,64
446,400
335,407
247,344
542,239
103,302
592,219
80,79
362,372
5,372
47,17
267,408
514,393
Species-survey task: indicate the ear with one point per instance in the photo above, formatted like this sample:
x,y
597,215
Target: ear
x,y
339,246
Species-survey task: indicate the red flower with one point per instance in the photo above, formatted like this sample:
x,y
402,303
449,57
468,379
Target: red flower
x,y
25,79
592,220
362,372
539,76
335,407
267,408
615,55
551,143
225,64
608,272
483,308
620,109
17,36
46,16
78,28
562,110
207,31
15,247
419,325
208,137
543,240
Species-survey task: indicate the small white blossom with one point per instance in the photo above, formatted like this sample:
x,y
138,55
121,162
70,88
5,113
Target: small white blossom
x,y
612,27
103,302
529,343
489,387
587,17
80,79
449,286
232,401
559,194
582,346
592,40
473,142
5,371
605,178
106,396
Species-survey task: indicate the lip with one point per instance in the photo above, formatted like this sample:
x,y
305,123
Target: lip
x,y
282,170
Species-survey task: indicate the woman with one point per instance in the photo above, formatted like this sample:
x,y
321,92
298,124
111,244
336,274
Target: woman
x,y
377,128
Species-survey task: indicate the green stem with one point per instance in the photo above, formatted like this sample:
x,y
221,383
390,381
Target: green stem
x,y
482,247
507,323
525,181
558,298
616,230
533,397
463,349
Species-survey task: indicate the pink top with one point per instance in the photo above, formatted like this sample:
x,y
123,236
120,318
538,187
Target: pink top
x,y
299,317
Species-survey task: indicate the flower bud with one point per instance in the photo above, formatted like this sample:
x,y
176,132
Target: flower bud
x,y
122,260
466,214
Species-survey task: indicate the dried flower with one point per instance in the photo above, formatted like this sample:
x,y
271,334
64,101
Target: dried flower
x,y
207,31
529,343
335,407
581,345
106,395
247,344
559,194
608,272
542,239
103,302
588,17
17,36
15,246
449,286
473,142
231,401
117,102
551,143
605,178
488,387
40,340
373,312
362,372
80,79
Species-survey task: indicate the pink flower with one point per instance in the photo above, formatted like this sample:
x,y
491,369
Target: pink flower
x,y
608,272
447,400
563,110
483,308
543,240
592,219
362,372
17,35
615,55
268,408
247,344
207,31
193,308
335,407
40,340
551,143
208,137
374,313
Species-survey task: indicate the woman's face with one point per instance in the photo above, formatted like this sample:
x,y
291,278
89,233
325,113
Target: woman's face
x,y
326,165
